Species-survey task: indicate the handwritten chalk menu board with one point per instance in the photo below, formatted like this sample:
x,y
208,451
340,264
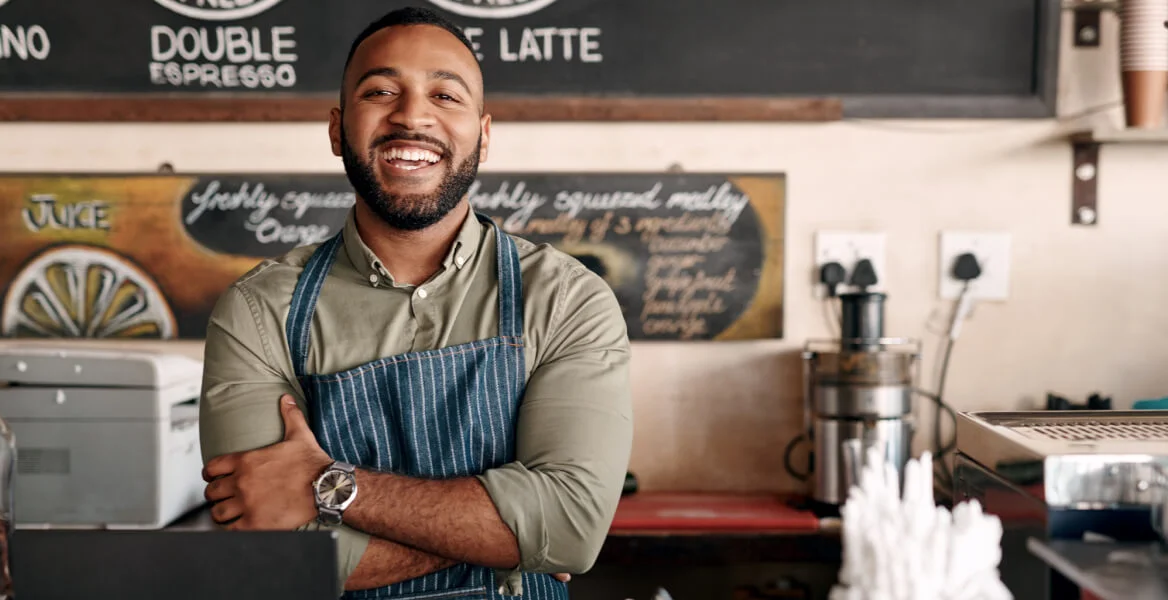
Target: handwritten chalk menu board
x,y
689,256
893,57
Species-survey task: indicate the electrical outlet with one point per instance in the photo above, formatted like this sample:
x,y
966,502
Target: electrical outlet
x,y
848,248
993,256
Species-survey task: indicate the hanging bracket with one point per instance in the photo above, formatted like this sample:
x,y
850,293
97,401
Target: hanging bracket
x,y
1087,29
1084,182
1086,26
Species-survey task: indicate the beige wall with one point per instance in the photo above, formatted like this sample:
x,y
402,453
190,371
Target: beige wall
x,y
1088,308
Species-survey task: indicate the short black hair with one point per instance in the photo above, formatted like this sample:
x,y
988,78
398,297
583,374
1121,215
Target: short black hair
x,y
410,15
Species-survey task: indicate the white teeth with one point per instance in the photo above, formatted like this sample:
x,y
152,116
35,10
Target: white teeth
x,y
411,155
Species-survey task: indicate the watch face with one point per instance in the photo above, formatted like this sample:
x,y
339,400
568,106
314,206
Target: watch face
x,y
335,488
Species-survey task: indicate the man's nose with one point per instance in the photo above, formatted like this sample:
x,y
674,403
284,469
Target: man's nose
x,y
412,111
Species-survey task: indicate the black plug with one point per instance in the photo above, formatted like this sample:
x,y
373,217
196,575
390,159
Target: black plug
x,y
831,274
864,275
966,267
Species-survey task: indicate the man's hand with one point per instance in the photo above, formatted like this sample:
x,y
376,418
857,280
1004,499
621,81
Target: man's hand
x,y
268,488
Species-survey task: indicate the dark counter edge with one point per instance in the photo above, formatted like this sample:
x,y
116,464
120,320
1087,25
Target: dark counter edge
x,y
674,547
719,548
73,108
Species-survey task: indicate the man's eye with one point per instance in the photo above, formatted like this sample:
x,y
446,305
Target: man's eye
x,y
372,93
445,97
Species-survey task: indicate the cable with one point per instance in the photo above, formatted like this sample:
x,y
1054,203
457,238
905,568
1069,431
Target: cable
x,y
787,459
954,330
942,407
830,316
965,269
831,274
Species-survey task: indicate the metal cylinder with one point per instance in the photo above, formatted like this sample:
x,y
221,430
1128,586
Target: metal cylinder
x,y
865,402
841,447
861,318
858,398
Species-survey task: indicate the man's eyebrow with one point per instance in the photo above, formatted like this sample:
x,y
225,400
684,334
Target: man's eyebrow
x,y
377,72
447,75
392,72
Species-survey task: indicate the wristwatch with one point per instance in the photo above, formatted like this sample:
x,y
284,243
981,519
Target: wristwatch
x,y
334,490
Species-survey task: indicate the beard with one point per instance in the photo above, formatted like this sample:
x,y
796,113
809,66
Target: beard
x,y
410,212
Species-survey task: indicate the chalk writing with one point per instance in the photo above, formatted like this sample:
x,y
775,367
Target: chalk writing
x,y
540,44
697,244
492,9
47,213
24,43
255,57
683,254
268,214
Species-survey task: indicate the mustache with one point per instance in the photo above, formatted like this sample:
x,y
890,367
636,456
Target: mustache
x,y
408,137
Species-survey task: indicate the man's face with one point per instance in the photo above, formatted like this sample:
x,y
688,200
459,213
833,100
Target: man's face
x,y
411,133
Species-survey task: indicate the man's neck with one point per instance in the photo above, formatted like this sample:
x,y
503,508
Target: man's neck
x,y
411,257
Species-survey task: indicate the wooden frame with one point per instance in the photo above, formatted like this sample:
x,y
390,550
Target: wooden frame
x,y
73,108
1041,102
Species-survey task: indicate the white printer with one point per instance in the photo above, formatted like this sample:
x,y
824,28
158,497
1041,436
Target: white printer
x,y
105,437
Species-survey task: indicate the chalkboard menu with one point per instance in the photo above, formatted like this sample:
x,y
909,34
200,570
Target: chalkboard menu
x,y
689,256
894,57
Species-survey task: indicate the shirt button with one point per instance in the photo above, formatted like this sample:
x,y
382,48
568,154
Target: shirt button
x,y
461,260
373,278
422,293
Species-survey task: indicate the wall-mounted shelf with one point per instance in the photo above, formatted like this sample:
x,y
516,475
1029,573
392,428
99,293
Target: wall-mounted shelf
x,y
1085,165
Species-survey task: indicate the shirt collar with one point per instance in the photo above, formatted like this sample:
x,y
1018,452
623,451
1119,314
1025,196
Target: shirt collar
x,y
461,253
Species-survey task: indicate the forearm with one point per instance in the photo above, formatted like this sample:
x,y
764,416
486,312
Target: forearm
x,y
453,518
386,563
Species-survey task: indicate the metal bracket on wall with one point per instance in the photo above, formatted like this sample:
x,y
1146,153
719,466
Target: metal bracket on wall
x,y
1084,182
1086,27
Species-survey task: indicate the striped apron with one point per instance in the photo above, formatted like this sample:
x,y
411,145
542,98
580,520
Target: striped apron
x,y
437,414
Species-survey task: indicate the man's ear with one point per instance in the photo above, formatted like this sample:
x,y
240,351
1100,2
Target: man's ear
x,y
334,130
486,136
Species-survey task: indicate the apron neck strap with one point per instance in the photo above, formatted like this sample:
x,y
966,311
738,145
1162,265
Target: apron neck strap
x,y
510,282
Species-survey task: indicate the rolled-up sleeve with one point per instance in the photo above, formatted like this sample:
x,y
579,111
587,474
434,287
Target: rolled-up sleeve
x,y
239,409
574,435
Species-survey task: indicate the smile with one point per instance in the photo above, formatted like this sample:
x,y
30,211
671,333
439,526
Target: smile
x,y
406,158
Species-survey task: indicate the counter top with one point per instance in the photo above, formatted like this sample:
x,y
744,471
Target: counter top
x,y
712,512
667,528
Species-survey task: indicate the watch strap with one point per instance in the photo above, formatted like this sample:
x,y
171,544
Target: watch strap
x,y
329,516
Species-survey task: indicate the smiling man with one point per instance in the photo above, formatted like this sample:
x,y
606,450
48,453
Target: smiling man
x,y
453,400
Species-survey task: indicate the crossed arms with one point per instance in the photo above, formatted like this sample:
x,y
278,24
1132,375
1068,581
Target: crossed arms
x,y
548,511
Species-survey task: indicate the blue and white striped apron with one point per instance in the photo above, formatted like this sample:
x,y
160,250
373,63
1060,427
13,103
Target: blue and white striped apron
x,y
443,413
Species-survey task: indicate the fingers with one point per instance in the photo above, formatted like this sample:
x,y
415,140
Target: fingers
x,y
226,511
219,466
563,577
220,489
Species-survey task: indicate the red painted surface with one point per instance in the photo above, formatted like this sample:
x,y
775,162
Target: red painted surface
x,y
711,512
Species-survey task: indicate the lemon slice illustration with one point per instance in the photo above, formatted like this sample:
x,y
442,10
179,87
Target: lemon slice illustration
x,y
85,291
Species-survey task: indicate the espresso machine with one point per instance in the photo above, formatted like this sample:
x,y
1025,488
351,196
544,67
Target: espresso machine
x,y
1081,495
858,395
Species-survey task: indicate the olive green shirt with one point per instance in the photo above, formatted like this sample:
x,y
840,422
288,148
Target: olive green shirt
x,y
574,431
